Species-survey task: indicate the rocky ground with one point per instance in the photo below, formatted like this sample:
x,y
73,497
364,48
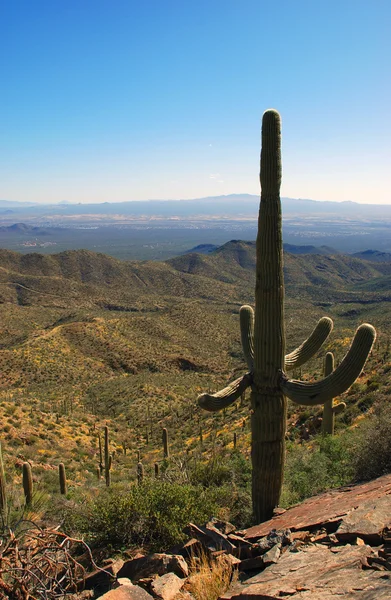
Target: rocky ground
x,y
335,544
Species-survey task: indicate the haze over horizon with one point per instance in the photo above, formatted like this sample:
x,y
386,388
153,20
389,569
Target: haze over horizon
x,y
114,102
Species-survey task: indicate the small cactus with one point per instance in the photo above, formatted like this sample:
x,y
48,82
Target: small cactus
x,y
166,450
107,457
329,409
28,483
140,473
3,489
100,454
63,479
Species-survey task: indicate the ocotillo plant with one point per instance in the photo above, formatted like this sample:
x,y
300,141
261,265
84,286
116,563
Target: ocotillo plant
x,y
63,479
107,457
329,408
263,340
28,483
166,450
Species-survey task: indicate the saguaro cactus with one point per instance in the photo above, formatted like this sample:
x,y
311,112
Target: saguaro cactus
x,y
107,457
28,483
62,478
329,408
263,341
140,473
166,450
3,489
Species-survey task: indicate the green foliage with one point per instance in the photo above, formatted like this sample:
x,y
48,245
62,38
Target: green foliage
x,y
152,515
309,471
372,457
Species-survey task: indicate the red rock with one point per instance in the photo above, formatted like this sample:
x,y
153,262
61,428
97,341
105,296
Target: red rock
x,y
317,574
167,586
154,564
127,592
326,508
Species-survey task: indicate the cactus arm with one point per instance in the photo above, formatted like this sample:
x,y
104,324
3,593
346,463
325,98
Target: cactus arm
x,y
310,346
338,408
227,396
246,315
340,380
328,412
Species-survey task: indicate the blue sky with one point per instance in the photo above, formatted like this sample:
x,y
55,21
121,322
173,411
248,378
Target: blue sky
x,y
120,100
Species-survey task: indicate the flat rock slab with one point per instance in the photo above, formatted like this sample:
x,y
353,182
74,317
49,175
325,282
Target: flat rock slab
x,y
317,573
367,521
328,508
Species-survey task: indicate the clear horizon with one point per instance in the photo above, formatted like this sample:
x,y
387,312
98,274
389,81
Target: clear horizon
x,y
123,101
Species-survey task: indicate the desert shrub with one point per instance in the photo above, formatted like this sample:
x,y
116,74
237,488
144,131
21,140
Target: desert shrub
x,y
310,470
222,469
372,457
152,515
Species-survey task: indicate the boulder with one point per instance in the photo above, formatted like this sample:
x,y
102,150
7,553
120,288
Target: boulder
x,y
154,564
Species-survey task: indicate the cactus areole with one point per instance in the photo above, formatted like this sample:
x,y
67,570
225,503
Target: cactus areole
x,y
263,341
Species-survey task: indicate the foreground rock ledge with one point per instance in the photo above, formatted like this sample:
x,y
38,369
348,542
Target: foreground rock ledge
x,y
348,555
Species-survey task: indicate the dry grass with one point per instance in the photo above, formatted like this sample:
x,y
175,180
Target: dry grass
x,y
210,578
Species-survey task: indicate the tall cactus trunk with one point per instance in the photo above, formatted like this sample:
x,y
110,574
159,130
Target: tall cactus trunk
x,y
268,419
328,413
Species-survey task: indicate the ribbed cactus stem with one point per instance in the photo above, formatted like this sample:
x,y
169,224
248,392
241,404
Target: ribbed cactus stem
x,y
328,414
339,380
62,478
166,449
140,473
28,483
3,488
107,457
246,315
268,418
310,347
100,454
227,396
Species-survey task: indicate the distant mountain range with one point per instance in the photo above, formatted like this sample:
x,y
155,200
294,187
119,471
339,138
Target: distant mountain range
x,y
232,205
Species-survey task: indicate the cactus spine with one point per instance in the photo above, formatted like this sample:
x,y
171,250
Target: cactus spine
x,y
28,483
329,409
63,479
263,341
107,457
166,450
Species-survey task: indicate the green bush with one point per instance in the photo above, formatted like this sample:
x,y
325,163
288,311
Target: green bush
x,y
152,515
309,471
372,457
